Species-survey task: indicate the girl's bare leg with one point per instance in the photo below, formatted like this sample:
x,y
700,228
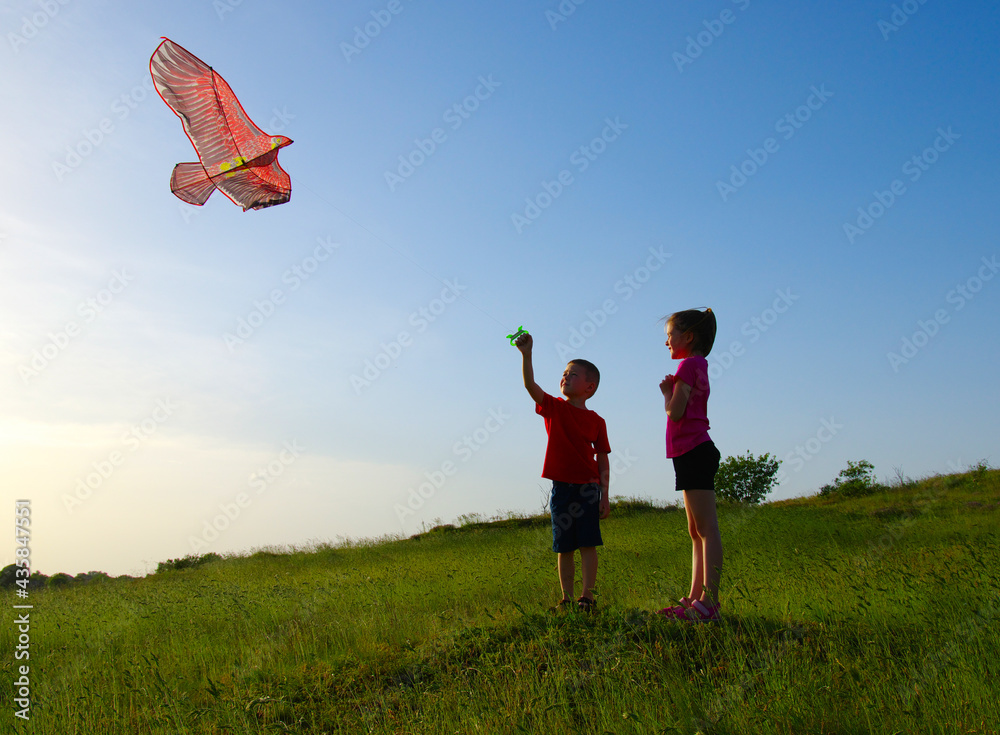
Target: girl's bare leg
x,y
706,565
697,554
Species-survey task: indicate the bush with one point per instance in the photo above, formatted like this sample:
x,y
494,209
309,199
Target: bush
x,y
857,480
85,577
189,561
980,470
747,479
59,580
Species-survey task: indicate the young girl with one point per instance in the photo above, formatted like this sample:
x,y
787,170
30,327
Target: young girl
x,y
690,336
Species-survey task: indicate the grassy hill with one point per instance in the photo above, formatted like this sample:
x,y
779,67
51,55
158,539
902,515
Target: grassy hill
x,y
877,614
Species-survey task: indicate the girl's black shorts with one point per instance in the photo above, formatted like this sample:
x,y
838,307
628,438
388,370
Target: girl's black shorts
x,y
696,469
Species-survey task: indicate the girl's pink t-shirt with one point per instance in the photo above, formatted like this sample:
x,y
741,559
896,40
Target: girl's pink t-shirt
x,y
692,429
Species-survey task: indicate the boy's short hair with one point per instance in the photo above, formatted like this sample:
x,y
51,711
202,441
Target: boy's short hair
x,y
590,371
700,323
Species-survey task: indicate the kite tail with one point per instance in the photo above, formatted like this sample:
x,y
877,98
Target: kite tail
x,y
191,183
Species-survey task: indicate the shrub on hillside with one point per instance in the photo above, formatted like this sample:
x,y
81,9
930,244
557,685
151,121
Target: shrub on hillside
x,y
747,479
857,480
60,579
980,470
85,577
191,560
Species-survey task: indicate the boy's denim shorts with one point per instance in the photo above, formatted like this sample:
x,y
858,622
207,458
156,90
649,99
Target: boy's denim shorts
x,y
576,516
696,469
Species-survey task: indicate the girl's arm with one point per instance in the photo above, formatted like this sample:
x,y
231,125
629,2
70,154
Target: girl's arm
x,y
667,389
677,400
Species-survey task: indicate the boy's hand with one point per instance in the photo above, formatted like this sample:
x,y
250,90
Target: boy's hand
x,y
605,507
524,343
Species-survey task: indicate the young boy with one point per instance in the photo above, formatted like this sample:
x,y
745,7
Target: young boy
x,y
576,460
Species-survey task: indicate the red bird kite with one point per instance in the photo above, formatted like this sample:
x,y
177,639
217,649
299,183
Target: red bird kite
x,y
235,156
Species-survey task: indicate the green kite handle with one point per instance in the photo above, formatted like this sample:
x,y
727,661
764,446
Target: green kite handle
x,y
518,333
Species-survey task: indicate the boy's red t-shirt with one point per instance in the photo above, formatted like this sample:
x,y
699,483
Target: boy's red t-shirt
x,y
576,435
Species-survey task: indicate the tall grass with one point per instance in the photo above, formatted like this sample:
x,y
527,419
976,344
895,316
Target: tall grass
x,y
877,614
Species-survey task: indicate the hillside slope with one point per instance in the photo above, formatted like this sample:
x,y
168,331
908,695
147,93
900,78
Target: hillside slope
x,y
875,614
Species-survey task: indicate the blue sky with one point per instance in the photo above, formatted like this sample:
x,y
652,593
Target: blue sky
x,y
823,176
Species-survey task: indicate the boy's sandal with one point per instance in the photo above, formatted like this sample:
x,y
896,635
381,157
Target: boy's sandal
x,y
564,604
586,604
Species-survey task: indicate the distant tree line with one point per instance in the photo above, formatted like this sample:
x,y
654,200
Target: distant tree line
x,y
37,580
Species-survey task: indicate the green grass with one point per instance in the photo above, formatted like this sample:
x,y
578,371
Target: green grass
x,y
877,614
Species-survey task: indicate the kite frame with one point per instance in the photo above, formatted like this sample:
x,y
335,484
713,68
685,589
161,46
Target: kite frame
x,y
244,166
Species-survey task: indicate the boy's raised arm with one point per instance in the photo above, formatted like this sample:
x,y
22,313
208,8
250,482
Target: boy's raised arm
x,y
524,343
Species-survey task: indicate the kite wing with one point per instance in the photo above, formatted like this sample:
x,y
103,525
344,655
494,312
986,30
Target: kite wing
x,y
234,154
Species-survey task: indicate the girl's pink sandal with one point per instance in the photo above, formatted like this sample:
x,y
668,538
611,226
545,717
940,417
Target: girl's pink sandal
x,y
699,612
677,611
